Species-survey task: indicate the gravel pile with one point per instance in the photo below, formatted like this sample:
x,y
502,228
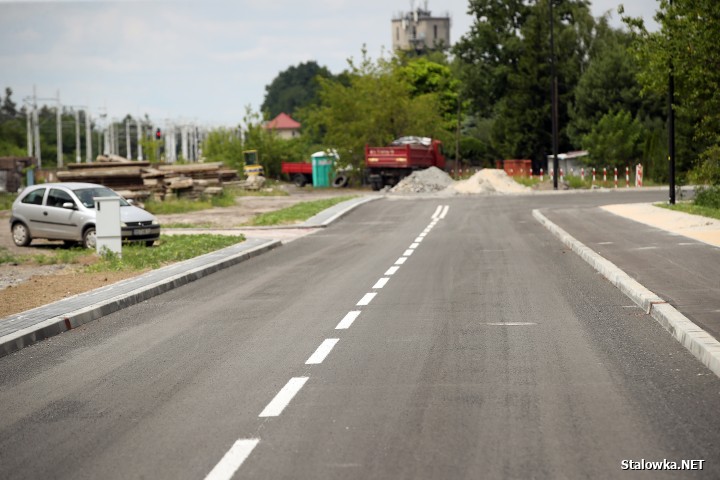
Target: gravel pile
x,y
429,180
487,181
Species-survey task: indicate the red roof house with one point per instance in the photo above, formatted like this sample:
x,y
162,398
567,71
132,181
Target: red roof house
x,y
284,125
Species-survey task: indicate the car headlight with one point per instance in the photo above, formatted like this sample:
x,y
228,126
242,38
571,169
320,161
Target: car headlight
x,y
155,222
123,224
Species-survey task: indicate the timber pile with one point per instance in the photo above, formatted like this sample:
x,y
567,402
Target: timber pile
x,y
140,181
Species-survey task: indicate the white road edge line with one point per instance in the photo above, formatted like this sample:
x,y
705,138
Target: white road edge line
x,y
392,270
381,283
322,351
437,212
414,245
367,298
408,252
284,397
700,344
348,320
231,461
444,212
400,260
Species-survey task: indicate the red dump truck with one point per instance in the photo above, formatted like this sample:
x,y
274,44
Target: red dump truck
x,y
299,173
388,165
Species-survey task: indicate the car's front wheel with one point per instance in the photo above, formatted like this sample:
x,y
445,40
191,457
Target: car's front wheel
x,y
21,235
89,238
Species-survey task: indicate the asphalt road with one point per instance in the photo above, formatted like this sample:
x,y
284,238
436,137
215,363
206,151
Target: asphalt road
x,y
490,352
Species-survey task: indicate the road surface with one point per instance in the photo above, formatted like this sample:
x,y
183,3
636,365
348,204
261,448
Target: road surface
x,y
433,338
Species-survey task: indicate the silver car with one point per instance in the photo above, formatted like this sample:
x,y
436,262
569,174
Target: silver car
x,y
66,211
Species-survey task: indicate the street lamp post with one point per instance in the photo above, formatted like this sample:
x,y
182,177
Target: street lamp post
x,y
554,99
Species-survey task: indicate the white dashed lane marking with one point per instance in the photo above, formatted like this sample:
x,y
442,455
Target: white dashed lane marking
x,y
367,299
284,397
348,320
322,351
392,270
408,252
232,460
381,283
413,245
400,260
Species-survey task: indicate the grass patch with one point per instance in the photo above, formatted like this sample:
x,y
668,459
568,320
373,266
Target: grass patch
x,y
296,213
528,182
6,200
168,249
183,205
8,257
693,209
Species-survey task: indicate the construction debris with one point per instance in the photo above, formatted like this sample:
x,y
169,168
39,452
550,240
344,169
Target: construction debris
x,y
139,180
487,181
429,180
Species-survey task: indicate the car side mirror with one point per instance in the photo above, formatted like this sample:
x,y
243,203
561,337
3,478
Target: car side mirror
x,y
69,205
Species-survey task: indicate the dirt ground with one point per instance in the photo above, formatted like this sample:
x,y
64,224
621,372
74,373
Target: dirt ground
x,y
29,285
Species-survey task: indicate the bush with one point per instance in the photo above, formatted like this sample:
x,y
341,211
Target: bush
x,y
708,197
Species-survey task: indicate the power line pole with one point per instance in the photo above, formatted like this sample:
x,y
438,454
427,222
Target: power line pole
x,y
671,129
139,140
59,132
77,135
36,128
128,153
28,116
88,138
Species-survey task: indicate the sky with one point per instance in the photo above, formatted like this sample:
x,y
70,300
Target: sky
x,y
194,61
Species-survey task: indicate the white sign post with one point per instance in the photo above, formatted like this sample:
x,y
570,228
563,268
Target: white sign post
x,y
107,225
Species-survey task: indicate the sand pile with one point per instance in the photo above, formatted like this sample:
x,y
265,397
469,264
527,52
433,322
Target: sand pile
x,y
429,180
487,181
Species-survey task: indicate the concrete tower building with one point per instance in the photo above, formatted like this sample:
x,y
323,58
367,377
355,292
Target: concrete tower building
x,y
419,30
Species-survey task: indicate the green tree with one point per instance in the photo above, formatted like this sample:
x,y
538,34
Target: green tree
x,y
687,39
506,69
293,88
224,145
374,104
615,141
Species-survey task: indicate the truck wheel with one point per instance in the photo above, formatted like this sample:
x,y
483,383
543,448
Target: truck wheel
x,y
340,181
376,184
299,180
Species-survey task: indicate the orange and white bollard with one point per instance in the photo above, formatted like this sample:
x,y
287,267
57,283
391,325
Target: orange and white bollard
x,y
615,177
542,175
593,180
627,177
582,174
604,174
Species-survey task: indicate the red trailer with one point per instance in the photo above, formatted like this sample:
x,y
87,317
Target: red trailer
x,y
388,165
299,172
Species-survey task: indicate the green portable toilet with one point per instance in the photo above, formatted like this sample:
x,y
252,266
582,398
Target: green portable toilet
x,y
322,168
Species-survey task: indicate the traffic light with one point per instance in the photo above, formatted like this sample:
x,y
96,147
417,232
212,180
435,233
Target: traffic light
x,y
158,134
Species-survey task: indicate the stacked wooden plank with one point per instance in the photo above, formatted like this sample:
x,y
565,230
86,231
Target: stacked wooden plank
x,y
141,180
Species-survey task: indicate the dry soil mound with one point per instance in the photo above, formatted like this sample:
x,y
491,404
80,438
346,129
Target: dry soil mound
x,y
487,181
429,180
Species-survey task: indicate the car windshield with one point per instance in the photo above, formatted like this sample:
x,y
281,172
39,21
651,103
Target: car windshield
x,y
86,195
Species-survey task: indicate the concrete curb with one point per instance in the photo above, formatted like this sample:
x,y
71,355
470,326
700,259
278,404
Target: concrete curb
x,y
326,217
62,323
700,343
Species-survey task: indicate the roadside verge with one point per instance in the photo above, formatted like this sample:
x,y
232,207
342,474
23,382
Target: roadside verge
x,y
701,344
